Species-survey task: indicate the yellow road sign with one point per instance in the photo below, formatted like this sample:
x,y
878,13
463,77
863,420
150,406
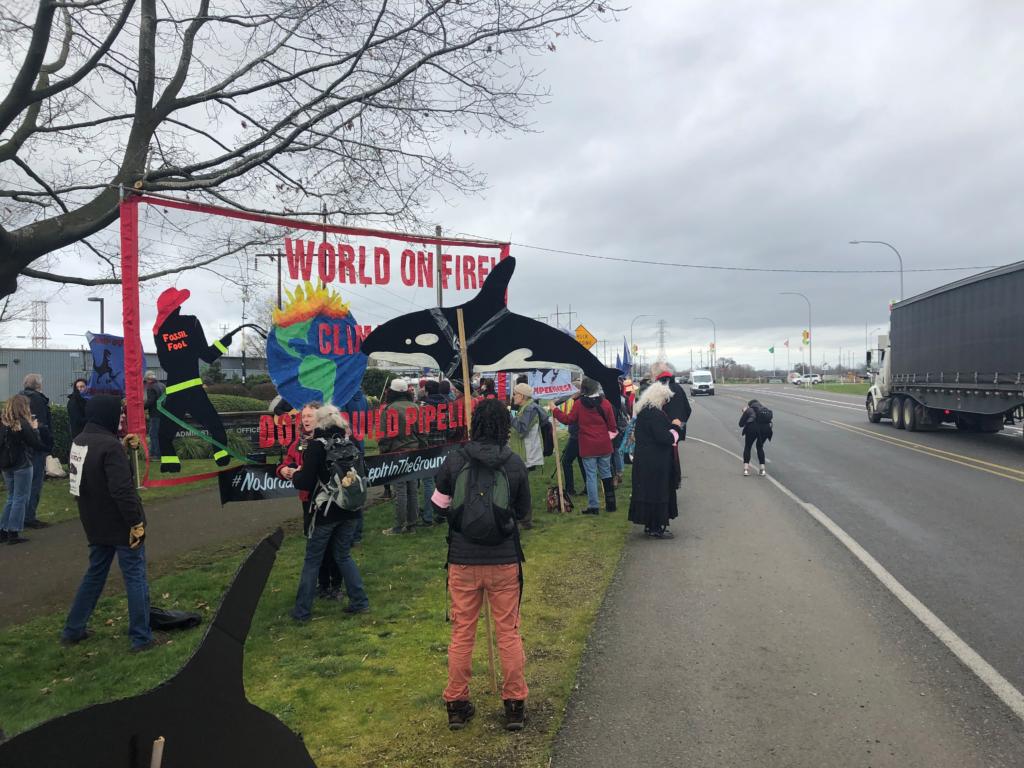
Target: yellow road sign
x,y
585,337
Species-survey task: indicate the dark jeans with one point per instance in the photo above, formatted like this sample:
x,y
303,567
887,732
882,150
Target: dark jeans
x,y
427,510
38,475
750,440
133,569
569,455
337,537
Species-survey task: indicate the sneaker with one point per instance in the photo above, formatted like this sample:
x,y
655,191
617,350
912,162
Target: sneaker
x,y
746,470
153,643
411,528
762,473
35,524
515,714
664,533
459,714
393,531
354,611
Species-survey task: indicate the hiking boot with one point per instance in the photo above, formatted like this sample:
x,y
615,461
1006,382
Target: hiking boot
x,y
393,531
36,524
355,611
15,537
762,473
411,528
69,641
515,714
589,511
459,713
746,470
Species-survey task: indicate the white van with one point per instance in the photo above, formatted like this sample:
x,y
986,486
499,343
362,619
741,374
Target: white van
x,y
701,383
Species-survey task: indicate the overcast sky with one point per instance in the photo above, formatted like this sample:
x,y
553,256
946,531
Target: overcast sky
x,y
741,134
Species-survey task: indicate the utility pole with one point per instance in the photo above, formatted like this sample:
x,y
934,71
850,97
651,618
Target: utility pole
x,y
661,341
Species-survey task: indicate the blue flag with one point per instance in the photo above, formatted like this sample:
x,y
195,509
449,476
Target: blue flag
x,y
627,361
618,363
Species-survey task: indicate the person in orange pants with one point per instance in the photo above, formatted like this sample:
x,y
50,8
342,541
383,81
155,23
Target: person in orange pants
x,y
484,492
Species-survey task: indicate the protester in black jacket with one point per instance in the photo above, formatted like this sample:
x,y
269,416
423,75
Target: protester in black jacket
x,y
40,407
492,569
76,407
330,526
755,431
114,522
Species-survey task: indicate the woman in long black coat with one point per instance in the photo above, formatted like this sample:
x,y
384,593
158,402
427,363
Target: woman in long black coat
x,y
76,408
653,502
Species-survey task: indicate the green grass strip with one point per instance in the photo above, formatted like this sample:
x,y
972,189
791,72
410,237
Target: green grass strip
x,y
362,690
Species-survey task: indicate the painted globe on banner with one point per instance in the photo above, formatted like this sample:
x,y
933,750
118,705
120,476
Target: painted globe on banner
x,y
313,350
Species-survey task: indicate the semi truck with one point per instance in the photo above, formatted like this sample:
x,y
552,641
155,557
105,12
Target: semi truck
x,y
953,355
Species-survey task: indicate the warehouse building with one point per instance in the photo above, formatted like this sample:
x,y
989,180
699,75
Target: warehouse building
x,y
60,367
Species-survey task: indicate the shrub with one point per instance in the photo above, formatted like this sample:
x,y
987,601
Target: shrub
x,y
263,391
197,448
61,432
227,388
225,403
374,381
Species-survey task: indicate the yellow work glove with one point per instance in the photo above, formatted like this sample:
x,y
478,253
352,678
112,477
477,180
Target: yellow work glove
x,y
136,535
130,442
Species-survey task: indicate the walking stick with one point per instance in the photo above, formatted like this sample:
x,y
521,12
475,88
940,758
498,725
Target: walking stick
x,y
558,464
468,405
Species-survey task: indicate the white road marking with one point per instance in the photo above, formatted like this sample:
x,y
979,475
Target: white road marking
x,y
970,658
807,399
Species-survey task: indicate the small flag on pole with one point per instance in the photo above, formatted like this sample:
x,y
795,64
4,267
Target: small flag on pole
x,y
771,350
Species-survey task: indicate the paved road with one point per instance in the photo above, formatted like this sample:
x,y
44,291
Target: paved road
x,y
942,511
757,639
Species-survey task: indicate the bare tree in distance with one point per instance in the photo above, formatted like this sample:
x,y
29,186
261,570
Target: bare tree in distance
x,y
302,106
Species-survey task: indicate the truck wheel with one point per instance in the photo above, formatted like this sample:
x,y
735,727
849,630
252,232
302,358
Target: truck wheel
x,y
909,415
897,412
873,416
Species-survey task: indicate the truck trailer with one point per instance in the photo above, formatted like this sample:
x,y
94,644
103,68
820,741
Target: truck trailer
x,y
953,355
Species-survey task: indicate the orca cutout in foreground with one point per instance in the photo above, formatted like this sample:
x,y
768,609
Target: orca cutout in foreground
x,y
202,711
497,339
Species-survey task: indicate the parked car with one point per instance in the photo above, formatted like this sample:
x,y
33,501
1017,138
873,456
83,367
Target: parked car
x,y
808,380
701,383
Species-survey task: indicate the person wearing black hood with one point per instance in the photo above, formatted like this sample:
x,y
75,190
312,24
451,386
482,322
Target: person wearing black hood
x,y
114,522
477,570
76,407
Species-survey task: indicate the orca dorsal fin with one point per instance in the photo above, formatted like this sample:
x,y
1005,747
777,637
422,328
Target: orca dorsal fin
x,y
217,662
496,285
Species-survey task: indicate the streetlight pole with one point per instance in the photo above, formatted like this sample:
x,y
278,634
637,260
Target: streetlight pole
x,y
96,298
714,339
631,352
891,246
810,330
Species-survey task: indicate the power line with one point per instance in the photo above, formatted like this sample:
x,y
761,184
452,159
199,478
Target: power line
x,y
724,268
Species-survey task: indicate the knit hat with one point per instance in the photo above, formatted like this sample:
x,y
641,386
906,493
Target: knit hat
x,y
523,389
589,387
399,385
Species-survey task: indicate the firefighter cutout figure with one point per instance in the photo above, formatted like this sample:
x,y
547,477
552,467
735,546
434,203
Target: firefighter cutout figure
x,y
180,345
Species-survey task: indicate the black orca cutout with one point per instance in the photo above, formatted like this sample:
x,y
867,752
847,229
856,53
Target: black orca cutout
x,y
493,333
202,711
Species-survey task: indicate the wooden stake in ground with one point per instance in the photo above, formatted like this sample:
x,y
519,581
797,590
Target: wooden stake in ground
x,y
558,463
158,753
467,400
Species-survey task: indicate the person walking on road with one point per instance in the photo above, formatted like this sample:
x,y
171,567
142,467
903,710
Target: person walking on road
x,y
18,439
756,423
114,522
39,404
653,501
484,491
596,420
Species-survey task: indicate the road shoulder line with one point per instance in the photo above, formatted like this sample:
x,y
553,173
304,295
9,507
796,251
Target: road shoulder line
x,y
984,671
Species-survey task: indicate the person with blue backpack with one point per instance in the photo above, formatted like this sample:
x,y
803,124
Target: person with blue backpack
x,y
484,492
756,423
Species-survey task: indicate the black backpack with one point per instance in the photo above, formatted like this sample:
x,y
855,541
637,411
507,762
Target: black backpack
x,y
345,464
547,431
763,415
480,504
10,452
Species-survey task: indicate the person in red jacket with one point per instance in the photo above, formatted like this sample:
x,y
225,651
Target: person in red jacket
x,y
596,421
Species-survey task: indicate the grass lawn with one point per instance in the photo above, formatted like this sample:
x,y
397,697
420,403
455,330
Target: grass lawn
x,y
860,388
362,690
